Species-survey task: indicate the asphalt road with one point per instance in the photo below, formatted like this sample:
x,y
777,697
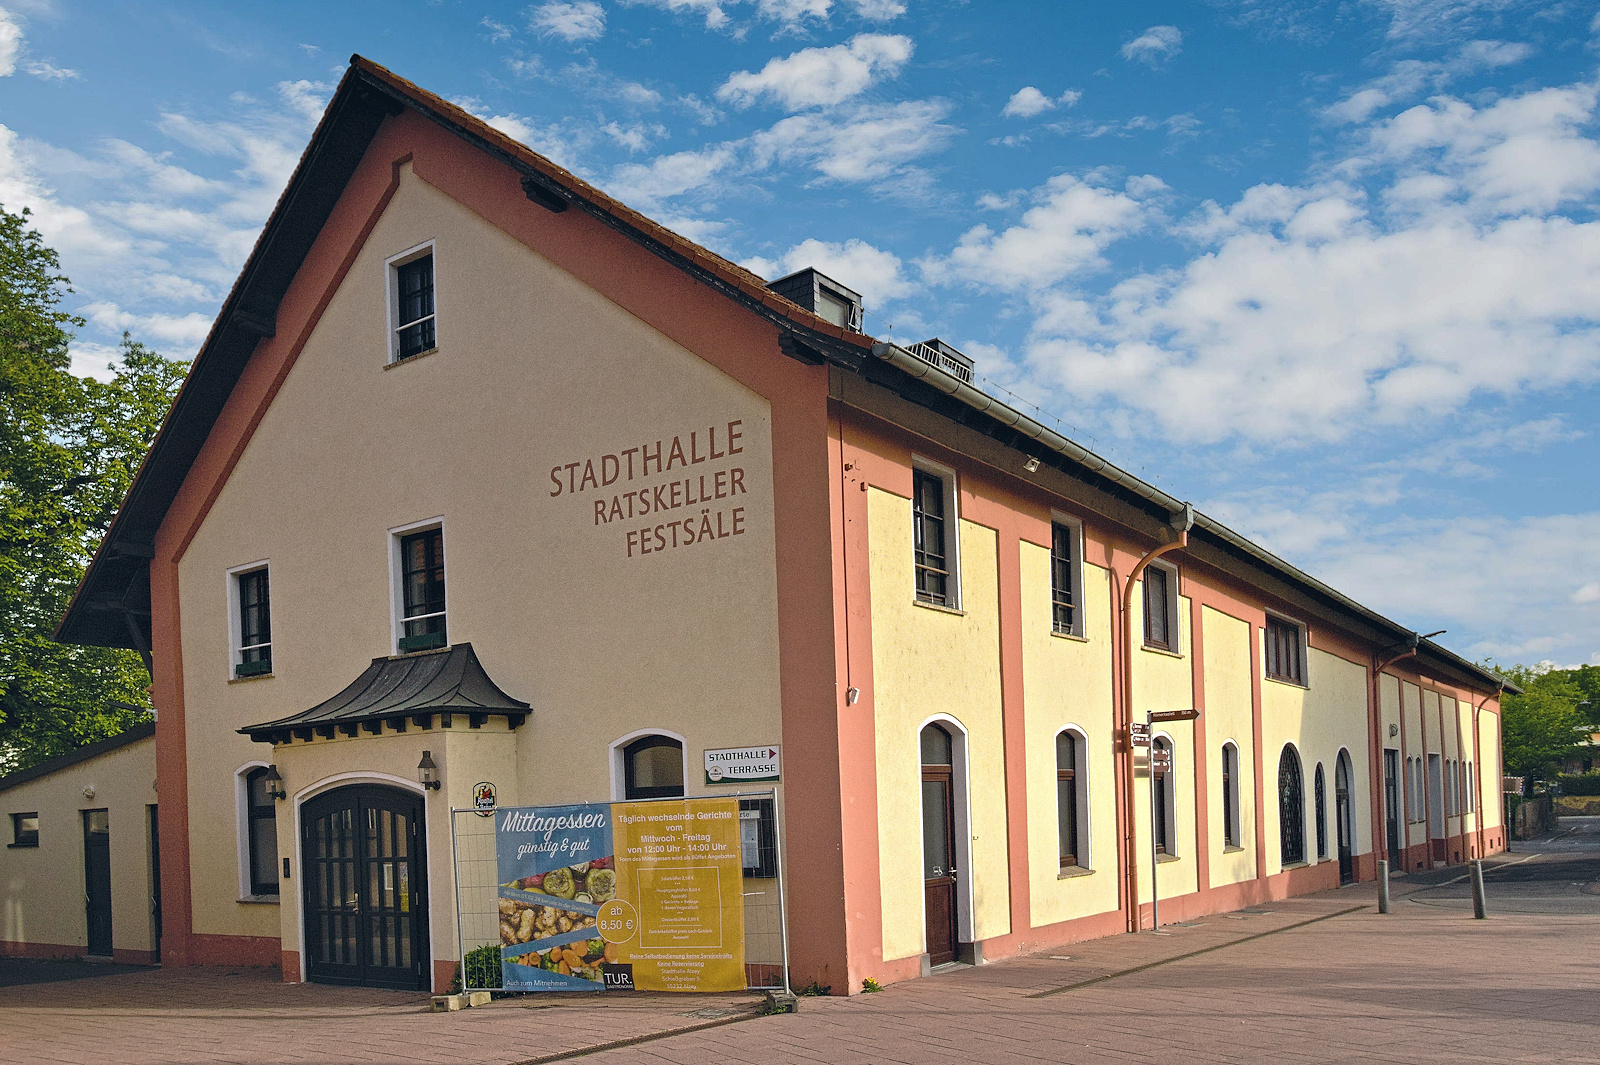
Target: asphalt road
x,y
1558,874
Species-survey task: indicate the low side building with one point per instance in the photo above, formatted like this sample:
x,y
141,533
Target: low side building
x,y
78,876
482,474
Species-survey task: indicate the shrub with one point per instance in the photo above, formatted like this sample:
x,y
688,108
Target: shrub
x,y
1580,783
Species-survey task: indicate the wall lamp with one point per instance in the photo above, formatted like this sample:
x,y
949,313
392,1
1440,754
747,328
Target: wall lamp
x,y
1032,465
275,784
428,772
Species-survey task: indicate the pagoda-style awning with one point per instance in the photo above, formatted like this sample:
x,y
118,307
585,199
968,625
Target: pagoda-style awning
x,y
400,691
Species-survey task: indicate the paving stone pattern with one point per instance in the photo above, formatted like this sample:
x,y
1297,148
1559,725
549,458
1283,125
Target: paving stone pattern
x,y
1304,980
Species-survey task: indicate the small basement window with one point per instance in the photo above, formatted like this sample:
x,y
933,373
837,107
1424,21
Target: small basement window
x,y
25,830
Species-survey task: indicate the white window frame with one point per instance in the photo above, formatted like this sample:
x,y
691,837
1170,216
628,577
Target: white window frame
x,y
391,271
952,525
619,772
397,592
241,805
1078,612
1305,652
1080,781
1233,823
231,578
1174,598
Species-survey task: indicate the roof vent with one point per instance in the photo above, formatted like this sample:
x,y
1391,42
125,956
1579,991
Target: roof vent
x,y
946,358
823,296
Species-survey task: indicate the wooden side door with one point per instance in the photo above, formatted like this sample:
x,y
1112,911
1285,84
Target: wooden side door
x,y
97,880
938,863
1341,815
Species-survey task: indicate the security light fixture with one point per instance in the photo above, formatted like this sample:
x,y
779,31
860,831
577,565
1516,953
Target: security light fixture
x,y
851,695
1394,730
428,772
275,784
1032,465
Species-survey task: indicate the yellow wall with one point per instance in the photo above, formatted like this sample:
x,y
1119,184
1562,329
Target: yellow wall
x,y
1411,717
1328,714
1488,773
1068,681
42,888
928,662
1164,681
526,378
1229,717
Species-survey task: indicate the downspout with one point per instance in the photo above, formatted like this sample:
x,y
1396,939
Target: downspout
x,y
1413,643
1477,776
1182,522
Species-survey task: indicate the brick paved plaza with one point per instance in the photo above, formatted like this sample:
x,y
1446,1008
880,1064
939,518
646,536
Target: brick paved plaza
x,y
1318,979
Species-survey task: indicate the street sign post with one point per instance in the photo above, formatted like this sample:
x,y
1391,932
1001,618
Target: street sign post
x,y
1160,766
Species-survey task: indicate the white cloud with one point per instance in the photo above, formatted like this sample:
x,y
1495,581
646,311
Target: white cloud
x,y
644,185
868,144
791,14
879,10
1072,222
1408,78
877,274
583,20
820,77
1436,19
1589,593
10,43
1154,45
1028,101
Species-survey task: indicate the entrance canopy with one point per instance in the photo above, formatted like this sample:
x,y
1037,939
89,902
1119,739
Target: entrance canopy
x,y
405,689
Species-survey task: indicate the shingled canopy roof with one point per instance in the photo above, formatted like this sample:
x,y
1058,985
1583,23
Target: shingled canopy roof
x,y
406,689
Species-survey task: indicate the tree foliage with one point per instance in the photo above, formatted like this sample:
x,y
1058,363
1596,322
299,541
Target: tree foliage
x,y
1551,720
69,447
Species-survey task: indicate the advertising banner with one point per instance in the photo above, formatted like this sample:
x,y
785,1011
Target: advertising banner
x,y
617,896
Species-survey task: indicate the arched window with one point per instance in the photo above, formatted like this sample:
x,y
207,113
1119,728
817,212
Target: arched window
x,y
1163,823
1291,808
1230,795
261,828
1320,791
1072,799
1472,792
652,768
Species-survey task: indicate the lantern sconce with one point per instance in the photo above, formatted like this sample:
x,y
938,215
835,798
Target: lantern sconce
x,y
428,772
275,784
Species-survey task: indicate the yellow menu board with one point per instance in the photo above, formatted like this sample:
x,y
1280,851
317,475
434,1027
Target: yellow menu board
x,y
678,917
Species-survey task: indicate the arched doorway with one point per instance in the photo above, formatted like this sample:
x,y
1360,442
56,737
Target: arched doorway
x,y
1341,815
939,843
364,880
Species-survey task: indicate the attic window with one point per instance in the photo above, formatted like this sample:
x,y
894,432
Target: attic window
x,y
834,308
413,317
822,296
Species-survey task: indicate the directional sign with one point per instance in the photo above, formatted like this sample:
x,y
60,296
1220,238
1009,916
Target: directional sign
x,y
1160,761
1174,715
741,765
1139,734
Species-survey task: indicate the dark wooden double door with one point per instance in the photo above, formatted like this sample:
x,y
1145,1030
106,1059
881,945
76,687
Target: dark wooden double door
x,y
363,868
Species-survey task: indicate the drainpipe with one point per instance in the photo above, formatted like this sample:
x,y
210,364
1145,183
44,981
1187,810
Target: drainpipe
x,y
1182,521
1477,760
1413,643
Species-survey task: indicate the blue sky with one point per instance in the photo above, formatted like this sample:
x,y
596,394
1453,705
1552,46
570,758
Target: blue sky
x,y
1329,269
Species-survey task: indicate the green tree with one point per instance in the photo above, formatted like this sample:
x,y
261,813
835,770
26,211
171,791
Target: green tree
x,y
69,447
1545,725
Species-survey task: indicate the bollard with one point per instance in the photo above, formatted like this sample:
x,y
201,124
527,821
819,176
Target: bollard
x,y
1383,885
1477,889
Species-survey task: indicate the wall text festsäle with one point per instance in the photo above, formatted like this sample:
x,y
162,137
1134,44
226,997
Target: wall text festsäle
x,y
704,489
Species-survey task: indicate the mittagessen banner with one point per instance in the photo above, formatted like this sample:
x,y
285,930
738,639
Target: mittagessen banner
x,y
617,896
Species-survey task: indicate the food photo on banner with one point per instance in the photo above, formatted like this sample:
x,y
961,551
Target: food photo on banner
x,y
620,896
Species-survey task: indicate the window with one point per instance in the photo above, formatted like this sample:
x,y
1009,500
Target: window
x,y
253,654
1291,808
1286,648
1071,799
422,591
1161,606
652,768
1162,800
758,838
933,536
1319,790
25,830
411,295
1472,793
261,829
1065,580
1230,795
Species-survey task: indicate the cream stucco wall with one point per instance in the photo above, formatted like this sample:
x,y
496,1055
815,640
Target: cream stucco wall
x,y
1326,716
1487,775
1165,681
929,662
42,888
534,371
1067,682
1411,726
1229,717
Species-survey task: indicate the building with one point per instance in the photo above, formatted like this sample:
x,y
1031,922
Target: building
x,y
483,476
